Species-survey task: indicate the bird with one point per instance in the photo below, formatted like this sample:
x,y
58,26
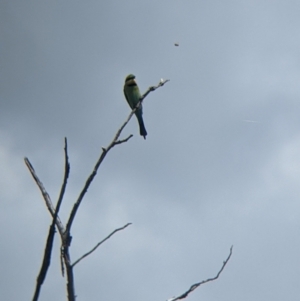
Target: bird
x,y
133,95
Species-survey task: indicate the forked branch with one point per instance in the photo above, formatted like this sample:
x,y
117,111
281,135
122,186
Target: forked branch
x,y
45,196
65,233
49,243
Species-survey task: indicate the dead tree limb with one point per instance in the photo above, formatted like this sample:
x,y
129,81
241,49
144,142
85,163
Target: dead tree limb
x,y
194,286
46,196
65,233
49,243
100,243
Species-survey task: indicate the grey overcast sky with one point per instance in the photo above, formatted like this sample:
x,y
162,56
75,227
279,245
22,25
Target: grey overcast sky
x,y
220,166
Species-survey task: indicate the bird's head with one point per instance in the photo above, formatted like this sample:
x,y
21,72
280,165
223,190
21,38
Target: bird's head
x,y
130,78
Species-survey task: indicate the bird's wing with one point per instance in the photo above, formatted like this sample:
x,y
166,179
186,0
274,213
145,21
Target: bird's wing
x,y
124,90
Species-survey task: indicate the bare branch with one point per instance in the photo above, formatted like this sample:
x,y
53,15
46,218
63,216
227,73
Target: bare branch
x,y
66,176
114,142
70,275
124,140
46,262
99,243
153,88
194,286
48,249
45,196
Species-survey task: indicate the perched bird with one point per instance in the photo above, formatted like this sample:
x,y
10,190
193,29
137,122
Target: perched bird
x,y
133,95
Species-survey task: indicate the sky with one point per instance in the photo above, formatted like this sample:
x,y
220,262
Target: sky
x,y
220,165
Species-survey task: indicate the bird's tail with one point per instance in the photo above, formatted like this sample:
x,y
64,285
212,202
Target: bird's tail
x,y
143,131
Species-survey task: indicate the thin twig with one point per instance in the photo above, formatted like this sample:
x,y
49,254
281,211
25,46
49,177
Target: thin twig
x,y
99,243
194,286
114,142
124,140
66,176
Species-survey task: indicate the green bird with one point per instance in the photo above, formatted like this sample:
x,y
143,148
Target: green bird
x,y
133,96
